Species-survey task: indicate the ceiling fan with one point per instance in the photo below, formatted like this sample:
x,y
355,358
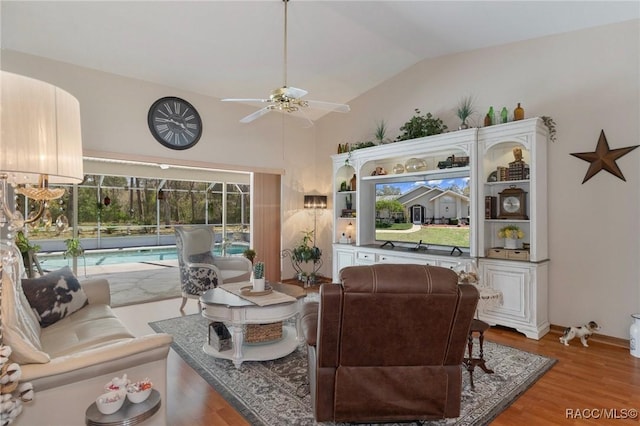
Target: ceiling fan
x,y
287,98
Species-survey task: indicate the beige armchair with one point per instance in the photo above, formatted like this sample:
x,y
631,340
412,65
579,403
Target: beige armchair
x,y
200,270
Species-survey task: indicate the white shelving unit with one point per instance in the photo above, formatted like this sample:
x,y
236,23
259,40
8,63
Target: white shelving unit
x,y
523,282
432,150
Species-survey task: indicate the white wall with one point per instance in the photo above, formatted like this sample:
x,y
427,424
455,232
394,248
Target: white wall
x,y
114,123
586,81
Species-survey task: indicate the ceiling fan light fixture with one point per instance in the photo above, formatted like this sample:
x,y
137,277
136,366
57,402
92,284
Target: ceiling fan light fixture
x,y
287,98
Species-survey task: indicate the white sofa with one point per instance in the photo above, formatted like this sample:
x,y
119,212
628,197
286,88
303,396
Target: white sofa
x,y
68,363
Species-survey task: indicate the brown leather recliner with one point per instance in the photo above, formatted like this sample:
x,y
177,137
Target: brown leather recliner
x,y
387,344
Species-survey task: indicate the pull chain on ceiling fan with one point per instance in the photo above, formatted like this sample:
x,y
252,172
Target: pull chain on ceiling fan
x,y
287,98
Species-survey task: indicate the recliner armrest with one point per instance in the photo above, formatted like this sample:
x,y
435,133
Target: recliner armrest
x,y
330,314
309,322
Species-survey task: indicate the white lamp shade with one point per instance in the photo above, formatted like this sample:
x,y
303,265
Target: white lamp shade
x,y
40,132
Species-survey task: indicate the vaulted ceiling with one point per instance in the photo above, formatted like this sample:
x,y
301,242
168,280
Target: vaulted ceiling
x,y
337,50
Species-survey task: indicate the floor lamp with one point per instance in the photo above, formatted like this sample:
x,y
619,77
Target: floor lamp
x,y
40,143
315,202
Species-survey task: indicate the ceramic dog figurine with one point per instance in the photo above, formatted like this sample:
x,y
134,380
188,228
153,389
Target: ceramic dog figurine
x,y
583,332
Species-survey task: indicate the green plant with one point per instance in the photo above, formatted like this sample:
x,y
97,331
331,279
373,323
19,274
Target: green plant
x,y
258,270
421,125
74,247
381,132
249,254
305,252
24,245
551,125
510,231
465,108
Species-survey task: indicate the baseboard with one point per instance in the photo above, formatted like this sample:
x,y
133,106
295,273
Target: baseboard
x,y
595,337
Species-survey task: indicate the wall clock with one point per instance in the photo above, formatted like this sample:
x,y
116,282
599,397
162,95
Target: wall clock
x,y
175,123
512,203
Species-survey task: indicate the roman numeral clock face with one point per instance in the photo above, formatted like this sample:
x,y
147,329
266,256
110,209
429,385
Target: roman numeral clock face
x,y
174,123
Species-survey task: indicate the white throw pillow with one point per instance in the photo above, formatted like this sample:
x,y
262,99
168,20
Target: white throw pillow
x,y
21,330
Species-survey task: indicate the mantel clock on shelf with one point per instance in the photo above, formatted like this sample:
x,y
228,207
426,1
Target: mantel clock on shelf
x,y
512,203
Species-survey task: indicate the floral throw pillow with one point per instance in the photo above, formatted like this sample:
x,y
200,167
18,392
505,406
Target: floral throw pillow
x,y
54,296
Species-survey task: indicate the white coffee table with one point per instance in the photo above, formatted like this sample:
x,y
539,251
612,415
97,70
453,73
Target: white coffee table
x,y
236,312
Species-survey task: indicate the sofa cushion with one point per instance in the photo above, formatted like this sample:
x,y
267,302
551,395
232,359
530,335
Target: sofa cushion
x,y
90,327
55,295
21,330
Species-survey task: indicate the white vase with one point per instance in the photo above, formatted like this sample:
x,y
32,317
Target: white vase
x,y
634,334
510,243
258,284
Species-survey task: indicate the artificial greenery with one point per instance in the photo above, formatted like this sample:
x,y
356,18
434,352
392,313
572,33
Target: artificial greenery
x,y
551,125
304,252
258,270
421,125
381,132
24,245
360,145
465,108
511,231
249,254
74,248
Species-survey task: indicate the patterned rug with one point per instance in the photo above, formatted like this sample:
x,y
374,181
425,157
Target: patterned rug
x,y
274,393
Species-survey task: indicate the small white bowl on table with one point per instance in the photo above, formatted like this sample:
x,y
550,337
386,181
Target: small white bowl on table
x,y
110,402
139,396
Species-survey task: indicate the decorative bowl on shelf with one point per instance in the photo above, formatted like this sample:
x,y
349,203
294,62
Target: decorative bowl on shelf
x,y
110,402
398,168
415,165
139,391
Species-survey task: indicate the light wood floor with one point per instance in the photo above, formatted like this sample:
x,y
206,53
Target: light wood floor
x,y
585,380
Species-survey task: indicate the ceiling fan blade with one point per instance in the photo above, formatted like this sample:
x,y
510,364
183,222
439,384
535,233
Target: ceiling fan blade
x,y
329,106
246,100
259,113
294,92
302,115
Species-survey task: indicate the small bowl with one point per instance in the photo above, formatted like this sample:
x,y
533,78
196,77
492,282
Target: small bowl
x,y
117,386
139,391
110,402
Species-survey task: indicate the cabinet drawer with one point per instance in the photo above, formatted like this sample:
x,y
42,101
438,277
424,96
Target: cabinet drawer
x,y
365,258
385,258
497,253
500,253
517,254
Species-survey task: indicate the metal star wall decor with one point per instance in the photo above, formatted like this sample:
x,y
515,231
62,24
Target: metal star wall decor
x,y
604,158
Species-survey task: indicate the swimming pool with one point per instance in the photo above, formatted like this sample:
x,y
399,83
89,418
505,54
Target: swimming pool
x,y
53,261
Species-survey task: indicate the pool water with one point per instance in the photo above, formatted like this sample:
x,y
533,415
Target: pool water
x,y
118,256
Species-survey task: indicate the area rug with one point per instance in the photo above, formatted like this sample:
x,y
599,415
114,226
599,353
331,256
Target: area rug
x,y
273,393
155,282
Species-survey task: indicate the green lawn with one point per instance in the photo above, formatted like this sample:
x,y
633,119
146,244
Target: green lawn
x,y
398,227
441,235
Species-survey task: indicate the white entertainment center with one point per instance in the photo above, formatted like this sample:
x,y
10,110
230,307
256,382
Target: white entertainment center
x,y
520,198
